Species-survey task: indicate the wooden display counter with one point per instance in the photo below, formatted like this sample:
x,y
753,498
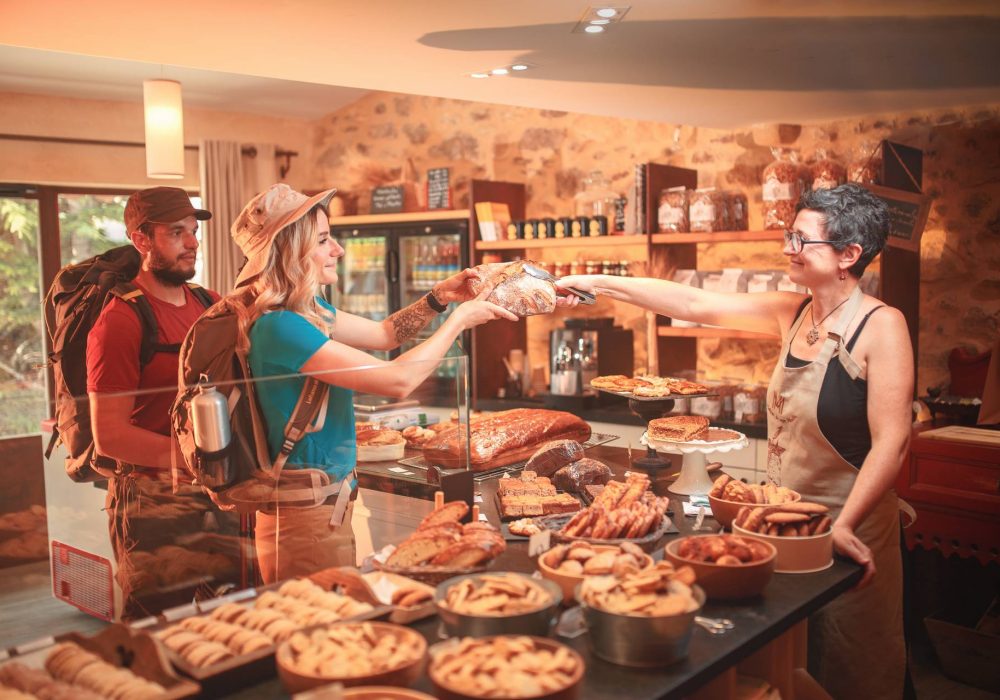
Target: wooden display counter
x,y
953,483
768,641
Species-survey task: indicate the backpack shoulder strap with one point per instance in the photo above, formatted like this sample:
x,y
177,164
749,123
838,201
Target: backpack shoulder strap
x,y
308,416
201,294
130,293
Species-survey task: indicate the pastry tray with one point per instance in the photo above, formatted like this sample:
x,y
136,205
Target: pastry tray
x,y
512,518
646,542
668,397
420,463
238,671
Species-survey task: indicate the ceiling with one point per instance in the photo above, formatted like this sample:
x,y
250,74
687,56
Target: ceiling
x,y
720,63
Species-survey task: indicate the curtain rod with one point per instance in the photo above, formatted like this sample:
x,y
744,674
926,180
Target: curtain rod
x,y
249,151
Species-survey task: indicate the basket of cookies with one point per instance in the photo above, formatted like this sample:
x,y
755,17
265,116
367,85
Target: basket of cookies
x,y
642,619
728,495
480,605
726,566
567,564
351,653
623,512
800,533
442,546
505,667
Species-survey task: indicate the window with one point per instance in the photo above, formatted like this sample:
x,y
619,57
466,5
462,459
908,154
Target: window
x,y
90,224
22,349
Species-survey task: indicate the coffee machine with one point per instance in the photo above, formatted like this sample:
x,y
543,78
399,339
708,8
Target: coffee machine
x,y
586,348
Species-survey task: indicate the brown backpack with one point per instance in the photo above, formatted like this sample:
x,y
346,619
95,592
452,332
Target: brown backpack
x,y
209,355
73,303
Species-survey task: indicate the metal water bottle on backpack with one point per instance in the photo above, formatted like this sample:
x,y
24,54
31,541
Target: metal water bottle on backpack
x,y
210,424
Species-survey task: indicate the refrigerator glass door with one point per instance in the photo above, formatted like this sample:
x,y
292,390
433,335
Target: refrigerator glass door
x,y
425,260
362,287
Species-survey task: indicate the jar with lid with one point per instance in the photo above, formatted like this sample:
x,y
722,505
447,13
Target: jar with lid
x,y
591,267
780,190
706,210
607,267
596,198
672,214
623,266
576,268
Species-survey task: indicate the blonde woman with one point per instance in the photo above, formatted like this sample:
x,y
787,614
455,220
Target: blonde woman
x,y
291,330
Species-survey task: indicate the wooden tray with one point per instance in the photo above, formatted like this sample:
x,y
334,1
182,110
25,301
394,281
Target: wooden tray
x,y
646,542
431,575
124,647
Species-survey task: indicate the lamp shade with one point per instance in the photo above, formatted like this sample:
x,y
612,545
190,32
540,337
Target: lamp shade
x,y
164,129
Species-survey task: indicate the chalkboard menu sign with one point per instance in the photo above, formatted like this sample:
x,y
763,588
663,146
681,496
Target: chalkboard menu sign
x,y
387,200
907,216
438,189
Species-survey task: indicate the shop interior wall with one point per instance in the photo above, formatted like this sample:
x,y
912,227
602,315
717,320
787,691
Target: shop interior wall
x,y
387,138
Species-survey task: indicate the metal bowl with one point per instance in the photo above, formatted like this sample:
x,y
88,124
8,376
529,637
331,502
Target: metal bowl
x,y
643,642
536,623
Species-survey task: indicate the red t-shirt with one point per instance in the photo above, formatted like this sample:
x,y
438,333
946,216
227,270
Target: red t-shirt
x,y
113,356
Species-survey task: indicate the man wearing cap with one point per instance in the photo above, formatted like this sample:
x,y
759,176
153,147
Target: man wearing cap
x,y
129,417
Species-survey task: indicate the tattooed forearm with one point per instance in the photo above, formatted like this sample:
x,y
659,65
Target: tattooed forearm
x,y
406,323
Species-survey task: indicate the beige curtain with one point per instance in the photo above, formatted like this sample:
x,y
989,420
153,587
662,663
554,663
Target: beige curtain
x,y
261,171
222,177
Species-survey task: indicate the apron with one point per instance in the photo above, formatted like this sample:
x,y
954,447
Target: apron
x,y
856,643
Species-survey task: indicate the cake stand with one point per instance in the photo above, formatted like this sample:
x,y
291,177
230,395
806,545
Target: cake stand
x,y
694,478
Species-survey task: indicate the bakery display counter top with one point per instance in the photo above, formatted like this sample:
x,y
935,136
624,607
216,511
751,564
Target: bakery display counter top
x,y
617,412
761,625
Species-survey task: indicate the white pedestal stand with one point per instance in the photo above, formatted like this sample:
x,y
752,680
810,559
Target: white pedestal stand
x,y
694,479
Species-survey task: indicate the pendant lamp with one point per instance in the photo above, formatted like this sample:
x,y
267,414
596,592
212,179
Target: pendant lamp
x,y
164,129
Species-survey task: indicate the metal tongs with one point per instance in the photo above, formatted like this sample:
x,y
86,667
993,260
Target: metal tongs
x,y
539,273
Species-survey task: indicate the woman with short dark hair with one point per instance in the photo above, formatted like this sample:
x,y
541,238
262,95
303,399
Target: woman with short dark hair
x,y
839,414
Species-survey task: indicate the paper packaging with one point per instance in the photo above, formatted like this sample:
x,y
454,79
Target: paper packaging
x,y
493,218
762,281
786,285
692,278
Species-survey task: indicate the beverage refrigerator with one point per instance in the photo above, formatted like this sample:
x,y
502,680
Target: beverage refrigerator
x,y
387,267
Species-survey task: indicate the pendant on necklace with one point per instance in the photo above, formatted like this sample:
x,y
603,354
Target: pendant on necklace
x,y
812,336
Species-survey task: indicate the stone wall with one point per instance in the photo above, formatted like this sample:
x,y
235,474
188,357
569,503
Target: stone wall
x,y
388,138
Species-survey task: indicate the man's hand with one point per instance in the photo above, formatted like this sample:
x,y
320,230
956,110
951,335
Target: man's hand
x,y
457,288
847,544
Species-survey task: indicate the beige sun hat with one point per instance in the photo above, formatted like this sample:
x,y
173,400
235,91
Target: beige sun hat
x,y
263,217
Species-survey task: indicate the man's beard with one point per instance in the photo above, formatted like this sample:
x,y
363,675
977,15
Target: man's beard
x,y
165,272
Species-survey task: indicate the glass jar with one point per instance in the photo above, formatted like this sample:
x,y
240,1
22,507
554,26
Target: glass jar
x,y
706,210
780,190
672,214
596,198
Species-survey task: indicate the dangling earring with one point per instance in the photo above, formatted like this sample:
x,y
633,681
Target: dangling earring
x,y
843,275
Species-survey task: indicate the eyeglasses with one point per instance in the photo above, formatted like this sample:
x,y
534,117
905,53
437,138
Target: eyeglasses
x,y
794,240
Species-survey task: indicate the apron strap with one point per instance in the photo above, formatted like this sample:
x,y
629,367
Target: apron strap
x,y
835,337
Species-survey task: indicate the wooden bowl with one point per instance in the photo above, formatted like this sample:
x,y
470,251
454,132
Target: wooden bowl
x,y
721,582
797,555
403,674
567,582
383,692
445,692
725,512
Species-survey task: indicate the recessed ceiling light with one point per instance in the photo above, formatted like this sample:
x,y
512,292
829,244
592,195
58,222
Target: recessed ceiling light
x,y
607,12
600,21
593,29
519,66
499,71
480,75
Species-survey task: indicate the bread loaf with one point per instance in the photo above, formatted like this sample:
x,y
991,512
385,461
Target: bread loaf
x,y
514,289
504,438
553,456
574,477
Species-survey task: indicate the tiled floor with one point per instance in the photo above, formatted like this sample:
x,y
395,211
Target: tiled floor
x,y
28,612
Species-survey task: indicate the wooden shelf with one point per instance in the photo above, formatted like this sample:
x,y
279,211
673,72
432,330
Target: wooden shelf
x,y
716,237
582,242
699,332
405,217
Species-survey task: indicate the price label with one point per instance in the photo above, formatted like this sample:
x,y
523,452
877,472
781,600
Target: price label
x,y
539,543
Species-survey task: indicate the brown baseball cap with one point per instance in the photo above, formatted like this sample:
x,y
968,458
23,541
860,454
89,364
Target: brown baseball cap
x,y
160,205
